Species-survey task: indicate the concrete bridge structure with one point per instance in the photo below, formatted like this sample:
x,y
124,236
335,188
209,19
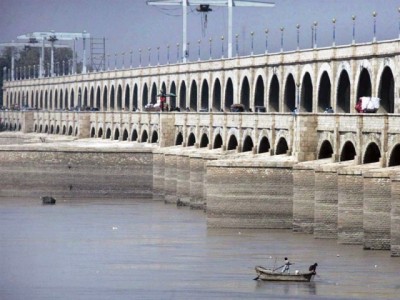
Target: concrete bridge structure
x,y
332,175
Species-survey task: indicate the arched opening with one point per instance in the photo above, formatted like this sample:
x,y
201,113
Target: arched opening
x,y
93,133
100,134
85,99
76,131
193,96
66,100
386,91
248,144
154,137
233,143
395,156
274,95
259,92
179,139
112,98
119,98
290,94
98,98
182,96
348,152
70,130
116,134
105,100
172,98
51,129
153,93
191,140
91,102
245,94
125,135
229,99
127,98
324,92
145,96
372,154
217,141
216,101
343,93
135,98
326,150
58,129
204,99
306,102
72,100
46,128
364,84
282,146
64,130
204,141
145,137
264,146
108,133
45,100
134,135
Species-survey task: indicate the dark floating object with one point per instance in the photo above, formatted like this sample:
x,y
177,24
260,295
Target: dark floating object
x,y
48,200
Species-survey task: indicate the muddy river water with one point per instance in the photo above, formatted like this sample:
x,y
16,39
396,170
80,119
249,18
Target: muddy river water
x,y
145,249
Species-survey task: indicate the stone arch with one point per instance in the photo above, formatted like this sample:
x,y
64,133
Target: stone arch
x,y
112,98
204,98
229,95
372,153
259,92
154,137
364,85
92,132
326,150
394,158
127,98
264,145
182,95
98,98
76,131
108,133
116,134
193,96
100,133
324,92
204,141
70,130
217,141
135,97
134,135
105,100
64,131
119,98
72,99
144,137
245,93
145,96
232,142
290,93
343,93
57,129
348,151
191,139
91,98
172,98
216,96
85,98
247,144
281,146
51,129
153,95
273,105
386,91
125,135
179,139
306,100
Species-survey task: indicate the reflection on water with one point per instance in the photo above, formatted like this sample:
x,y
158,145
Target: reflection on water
x,y
136,249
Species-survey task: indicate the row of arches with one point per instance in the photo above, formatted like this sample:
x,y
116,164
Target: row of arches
x,y
277,93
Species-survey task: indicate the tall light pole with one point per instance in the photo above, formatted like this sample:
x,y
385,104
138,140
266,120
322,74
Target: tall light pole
x,y
298,36
353,17
374,14
252,42
222,46
315,34
282,29
334,32
266,40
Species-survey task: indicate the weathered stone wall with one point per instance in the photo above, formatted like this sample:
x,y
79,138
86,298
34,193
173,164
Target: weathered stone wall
x,y
395,216
158,174
250,194
32,173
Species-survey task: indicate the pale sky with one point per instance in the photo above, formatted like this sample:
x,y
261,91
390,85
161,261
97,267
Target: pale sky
x,y
131,24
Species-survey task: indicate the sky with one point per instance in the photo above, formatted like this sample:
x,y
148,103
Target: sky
x,y
130,25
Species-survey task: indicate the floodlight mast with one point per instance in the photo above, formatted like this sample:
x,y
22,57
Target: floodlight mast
x,y
229,3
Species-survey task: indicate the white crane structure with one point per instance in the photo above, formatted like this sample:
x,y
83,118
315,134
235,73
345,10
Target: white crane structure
x,y
14,45
229,3
52,37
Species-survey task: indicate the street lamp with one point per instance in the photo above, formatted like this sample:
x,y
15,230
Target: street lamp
x,y
237,44
158,55
115,61
177,52
374,14
140,57
123,60
252,42
298,36
353,17
334,32
222,46
168,54
282,29
131,52
266,40
315,34
149,52
199,42
210,40
399,20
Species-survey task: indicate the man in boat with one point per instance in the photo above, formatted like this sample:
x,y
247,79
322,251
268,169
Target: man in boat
x,y
286,266
313,268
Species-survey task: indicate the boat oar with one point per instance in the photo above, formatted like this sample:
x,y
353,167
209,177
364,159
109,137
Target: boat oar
x,y
278,268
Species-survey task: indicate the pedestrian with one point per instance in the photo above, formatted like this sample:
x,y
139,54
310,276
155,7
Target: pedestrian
x,y
313,268
286,266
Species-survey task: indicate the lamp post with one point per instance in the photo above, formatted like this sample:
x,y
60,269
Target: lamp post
x,y
131,52
177,52
149,55
282,29
237,44
140,57
222,46
266,40
123,60
399,20
333,32
353,17
374,14
63,67
187,53
199,43
29,72
79,100
168,54
210,40
115,61
252,42
315,34
108,61
298,36
158,55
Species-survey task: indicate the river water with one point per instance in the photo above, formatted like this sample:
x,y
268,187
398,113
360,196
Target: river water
x,y
145,249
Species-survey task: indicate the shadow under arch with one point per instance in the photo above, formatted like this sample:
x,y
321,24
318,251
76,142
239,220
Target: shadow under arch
x,y
282,146
232,144
92,132
125,135
348,152
179,139
248,144
394,159
372,154
326,150
145,137
217,142
264,146
108,133
100,133
116,134
154,137
204,141
134,135
191,140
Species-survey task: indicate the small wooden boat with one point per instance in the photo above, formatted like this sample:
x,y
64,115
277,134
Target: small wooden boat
x,y
48,200
271,275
